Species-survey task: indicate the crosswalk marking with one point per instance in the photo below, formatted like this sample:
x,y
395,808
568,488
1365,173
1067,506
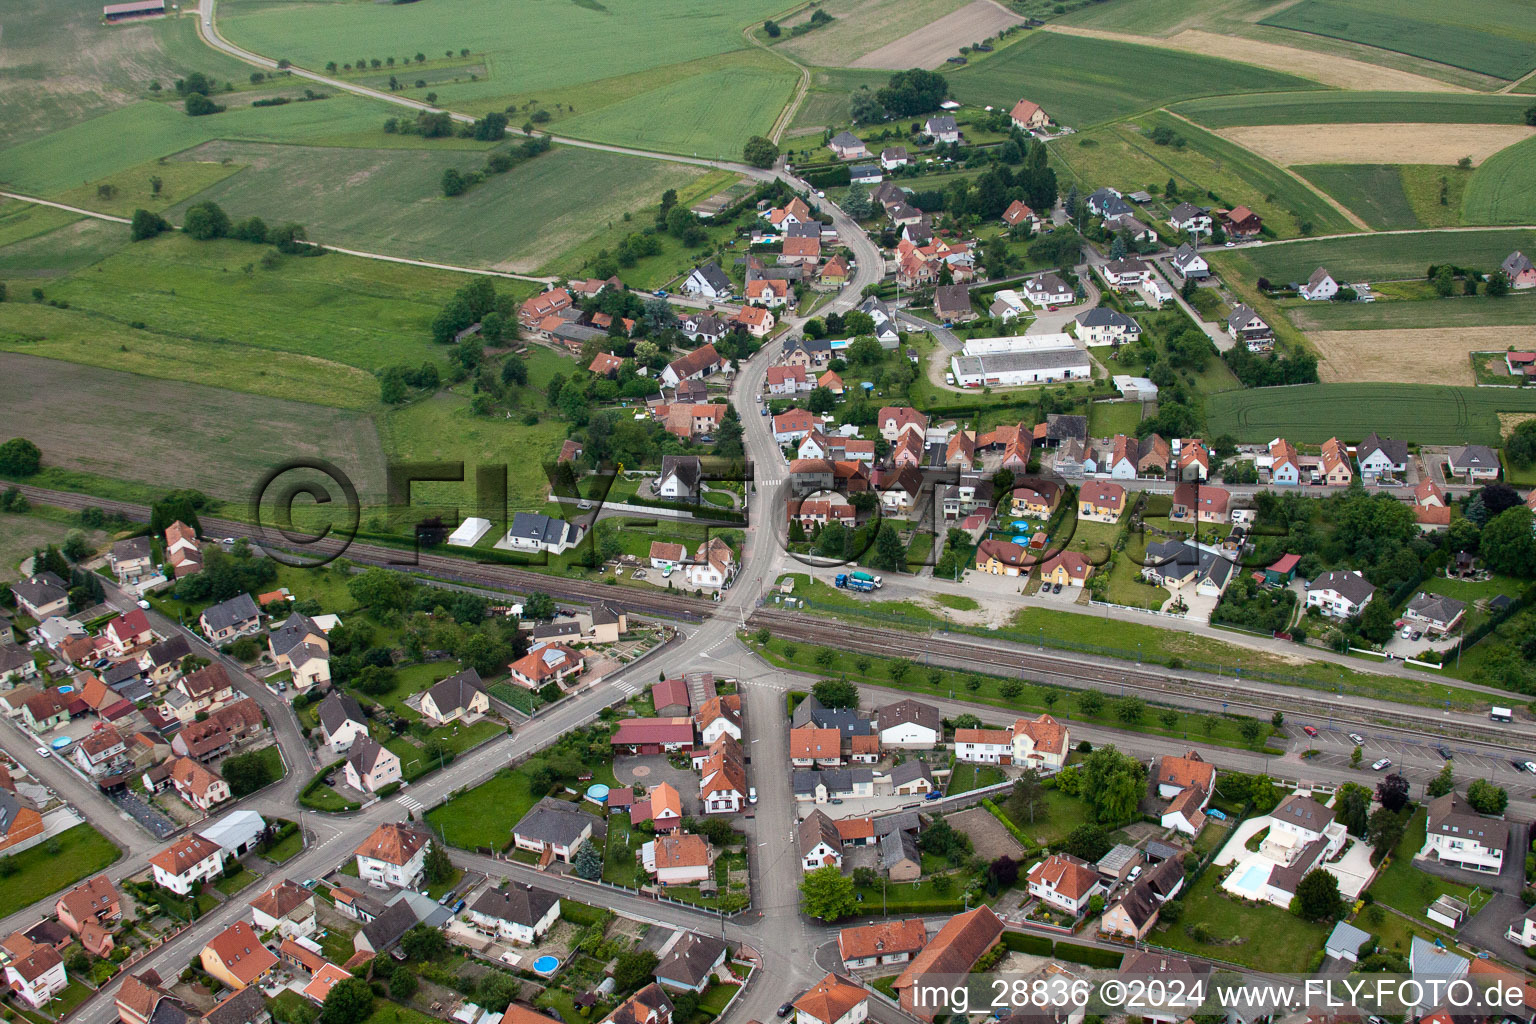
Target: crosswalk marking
x,y
411,804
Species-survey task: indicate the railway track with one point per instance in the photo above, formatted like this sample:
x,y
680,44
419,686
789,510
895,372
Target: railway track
x,y
1161,686
457,570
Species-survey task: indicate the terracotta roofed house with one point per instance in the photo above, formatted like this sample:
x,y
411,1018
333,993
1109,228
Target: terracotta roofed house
x,y
236,956
832,1000
954,950
881,943
186,863
393,853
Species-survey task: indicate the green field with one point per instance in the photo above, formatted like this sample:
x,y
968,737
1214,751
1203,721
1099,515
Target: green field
x,y
546,45
1503,190
331,309
1393,197
390,201
1442,32
711,114
62,65
55,864
1122,155
1514,309
1383,257
1354,108
143,434
79,243
1312,413
1082,81
92,150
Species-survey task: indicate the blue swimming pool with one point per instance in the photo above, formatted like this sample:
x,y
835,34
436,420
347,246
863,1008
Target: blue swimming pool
x,y
546,964
1253,879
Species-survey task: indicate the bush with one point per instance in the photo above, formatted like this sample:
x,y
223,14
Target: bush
x,y
199,105
1088,955
1022,942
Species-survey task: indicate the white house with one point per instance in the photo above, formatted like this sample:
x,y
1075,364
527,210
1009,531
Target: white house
x,y
1048,290
1462,838
35,972
371,766
535,531
393,855
833,1000
1189,264
679,478
1319,287
1188,217
1104,326
882,943
942,128
187,863
1381,457
518,913
1064,882
287,908
984,746
820,844
1339,594
1040,742
708,282
909,725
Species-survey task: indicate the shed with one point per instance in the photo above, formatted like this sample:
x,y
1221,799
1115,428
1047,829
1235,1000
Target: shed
x,y
1346,941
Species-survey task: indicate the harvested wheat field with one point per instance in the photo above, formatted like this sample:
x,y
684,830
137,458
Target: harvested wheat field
x,y
860,26
1341,72
1435,356
933,44
1291,144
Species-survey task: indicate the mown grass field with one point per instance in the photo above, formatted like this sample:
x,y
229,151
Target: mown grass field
x,y
342,309
135,434
1503,190
62,65
1383,257
92,150
1354,108
711,114
548,44
20,221
391,201
1124,156
1312,413
1440,30
1083,82
77,853
1459,311
1393,196
63,244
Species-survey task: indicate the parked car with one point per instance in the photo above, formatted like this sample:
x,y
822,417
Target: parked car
x,y
44,752
1357,739
1135,874
1385,762
1309,730
784,1009
1407,633
934,795
1444,751
583,505
751,794
143,604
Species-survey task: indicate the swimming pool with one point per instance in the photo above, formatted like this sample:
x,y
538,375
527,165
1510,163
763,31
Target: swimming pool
x,y
1252,881
546,964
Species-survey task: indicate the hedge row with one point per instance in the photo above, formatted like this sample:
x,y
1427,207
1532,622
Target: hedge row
x,y
1043,945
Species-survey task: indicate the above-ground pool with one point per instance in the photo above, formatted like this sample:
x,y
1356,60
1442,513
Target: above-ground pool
x,y
546,964
597,793
1252,881
61,742
66,689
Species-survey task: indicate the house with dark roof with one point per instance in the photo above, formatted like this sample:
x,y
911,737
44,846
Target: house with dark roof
x,y
1435,613
517,913
41,596
459,696
1381,457
1340,594
341,720
1460,837
371,766
847,146
553,827
535,531
229,620
952,303
691,963
819,843
1473,462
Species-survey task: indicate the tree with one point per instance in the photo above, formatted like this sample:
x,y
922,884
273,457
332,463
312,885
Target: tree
x,y
1392,792
1486,798
827,894
1442,783
246,773
350,1001
1003,872
1444,281
381,590
1507,545
423,943
492,127
198,105
634,967
146,225
1088,841
1112,784
1354,804
1386,829
20,457
1317,897
836,693
771,27
453,182
760,152
856,202
913,92
436,866
1520,443
402,985
889,554
864,107
588,863
205,220
1498,284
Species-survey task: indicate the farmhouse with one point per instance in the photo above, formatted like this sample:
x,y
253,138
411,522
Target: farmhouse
x,y
1518,268
954,950
1027,115
1319,287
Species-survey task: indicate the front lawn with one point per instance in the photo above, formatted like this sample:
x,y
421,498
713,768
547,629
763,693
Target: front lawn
x,y
620,866
231,884
1221,926
484,816
285,848
967,776
1402,886
54,864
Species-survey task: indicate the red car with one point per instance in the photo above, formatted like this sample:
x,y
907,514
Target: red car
x,y
1309,730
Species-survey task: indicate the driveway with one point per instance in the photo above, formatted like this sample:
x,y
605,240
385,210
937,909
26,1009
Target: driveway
x,y
1487,927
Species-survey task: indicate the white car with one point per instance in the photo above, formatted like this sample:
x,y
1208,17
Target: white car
x,y
1377,766
1407,633
1530,766
44,752
144,605
1357,739
752,793
1135,874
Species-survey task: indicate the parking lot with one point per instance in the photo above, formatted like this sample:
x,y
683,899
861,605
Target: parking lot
x,y
1416,761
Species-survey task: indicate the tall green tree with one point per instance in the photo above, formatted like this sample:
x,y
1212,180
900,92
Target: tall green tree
x,y
827,894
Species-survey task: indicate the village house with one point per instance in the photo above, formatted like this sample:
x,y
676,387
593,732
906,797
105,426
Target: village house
x,y
1002,558
1187,784
847,146
33,971
1019,215
1066,569
757,321
521,914
810,746
554,828
41,596
545,304
90,911
1028,116
1064,882
1382,458
963,940
237,957
132,559
1284,463
1320,287
545,664
708,282
1104,326
1100,501
1473,463
458,696
1205,503
788,381
678,859
1240,222
1252,330
820,844
393,854
702,362
1189,264
228,620
371,766
833,784
909,724
182,550
1519,269
1462,838
187,863
652,735
1435,613
1339,594
287,908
